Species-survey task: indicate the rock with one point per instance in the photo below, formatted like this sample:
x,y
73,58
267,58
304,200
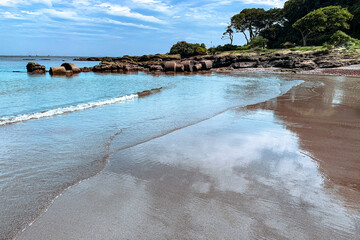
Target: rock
x,y
71,66
86,69
102,67
34,67
179,67
170,66
306,64
282,63
58,71
329,64
244,64
224,61
188,66
154,68
207,64
197,67
144,93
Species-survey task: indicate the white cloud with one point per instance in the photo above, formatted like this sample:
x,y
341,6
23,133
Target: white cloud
x,y
12,3
128,24
118,10
154,5
273,3
10,15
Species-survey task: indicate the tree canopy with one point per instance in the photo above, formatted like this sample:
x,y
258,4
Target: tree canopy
x,y
276,24
186,49
332,18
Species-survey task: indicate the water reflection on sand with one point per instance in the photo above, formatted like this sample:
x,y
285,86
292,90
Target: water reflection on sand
x,y
261,172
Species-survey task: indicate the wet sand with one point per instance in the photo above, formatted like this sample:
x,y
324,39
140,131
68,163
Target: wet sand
x,y
288,168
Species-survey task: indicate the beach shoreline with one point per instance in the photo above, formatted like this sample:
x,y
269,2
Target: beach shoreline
x,y
99,194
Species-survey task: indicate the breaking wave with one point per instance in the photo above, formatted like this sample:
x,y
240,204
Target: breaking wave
x,y
69,109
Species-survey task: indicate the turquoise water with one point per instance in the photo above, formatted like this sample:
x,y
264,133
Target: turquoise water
x,y
56,131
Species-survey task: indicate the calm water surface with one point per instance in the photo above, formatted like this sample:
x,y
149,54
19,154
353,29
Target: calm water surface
x,y
41,157
56,131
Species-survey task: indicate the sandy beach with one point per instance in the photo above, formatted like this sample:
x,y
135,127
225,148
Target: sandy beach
x,y
283,169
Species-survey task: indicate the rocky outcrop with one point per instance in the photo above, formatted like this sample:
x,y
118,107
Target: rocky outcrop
x,y
283,59
306,64
156,68
36,68
58,71
170,66
207,64
324,63
135,59
86,69
197,67
188,65
71,67
244,65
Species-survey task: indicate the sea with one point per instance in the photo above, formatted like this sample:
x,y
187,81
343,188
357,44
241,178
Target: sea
x,y
58,131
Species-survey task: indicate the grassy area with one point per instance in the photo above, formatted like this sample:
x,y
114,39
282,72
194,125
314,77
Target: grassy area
x,y
308,48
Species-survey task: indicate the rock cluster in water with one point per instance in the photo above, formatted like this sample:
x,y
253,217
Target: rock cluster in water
x,y
174,63
36,68
290,60
65,69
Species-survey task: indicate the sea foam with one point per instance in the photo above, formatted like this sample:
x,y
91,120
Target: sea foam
x,y
68,109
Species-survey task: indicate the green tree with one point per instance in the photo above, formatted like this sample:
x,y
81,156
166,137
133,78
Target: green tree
x,y
251,20
186,49
332,18
228,34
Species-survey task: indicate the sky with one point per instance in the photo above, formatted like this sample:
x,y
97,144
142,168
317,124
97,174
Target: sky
x,y
115,27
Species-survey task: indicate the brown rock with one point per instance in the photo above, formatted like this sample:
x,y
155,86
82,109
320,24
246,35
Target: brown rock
x,y
197,67
34,67
179,67
244,64
58,71
188,66
170,66
329,63
207,64
71,66
156,68
306,64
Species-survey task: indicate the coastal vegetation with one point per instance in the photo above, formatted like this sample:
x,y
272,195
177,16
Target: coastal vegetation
x,y
320,24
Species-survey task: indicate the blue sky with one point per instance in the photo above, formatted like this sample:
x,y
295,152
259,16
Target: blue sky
x,y
114,28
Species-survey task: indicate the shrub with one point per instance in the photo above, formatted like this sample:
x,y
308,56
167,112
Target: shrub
x,y
186,49
258,42
288,45
342,39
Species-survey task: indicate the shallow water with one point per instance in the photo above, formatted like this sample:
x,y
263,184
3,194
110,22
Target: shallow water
x,y
41,157
265,171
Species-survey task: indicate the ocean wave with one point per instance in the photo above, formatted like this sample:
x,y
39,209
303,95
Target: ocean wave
x,y
68,109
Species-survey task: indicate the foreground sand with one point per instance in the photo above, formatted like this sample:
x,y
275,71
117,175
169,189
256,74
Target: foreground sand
x,y
288,168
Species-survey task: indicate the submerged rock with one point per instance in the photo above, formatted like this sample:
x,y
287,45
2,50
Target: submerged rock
x,y
34,67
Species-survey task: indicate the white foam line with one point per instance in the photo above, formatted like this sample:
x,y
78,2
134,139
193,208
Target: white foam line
x,y
59,111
